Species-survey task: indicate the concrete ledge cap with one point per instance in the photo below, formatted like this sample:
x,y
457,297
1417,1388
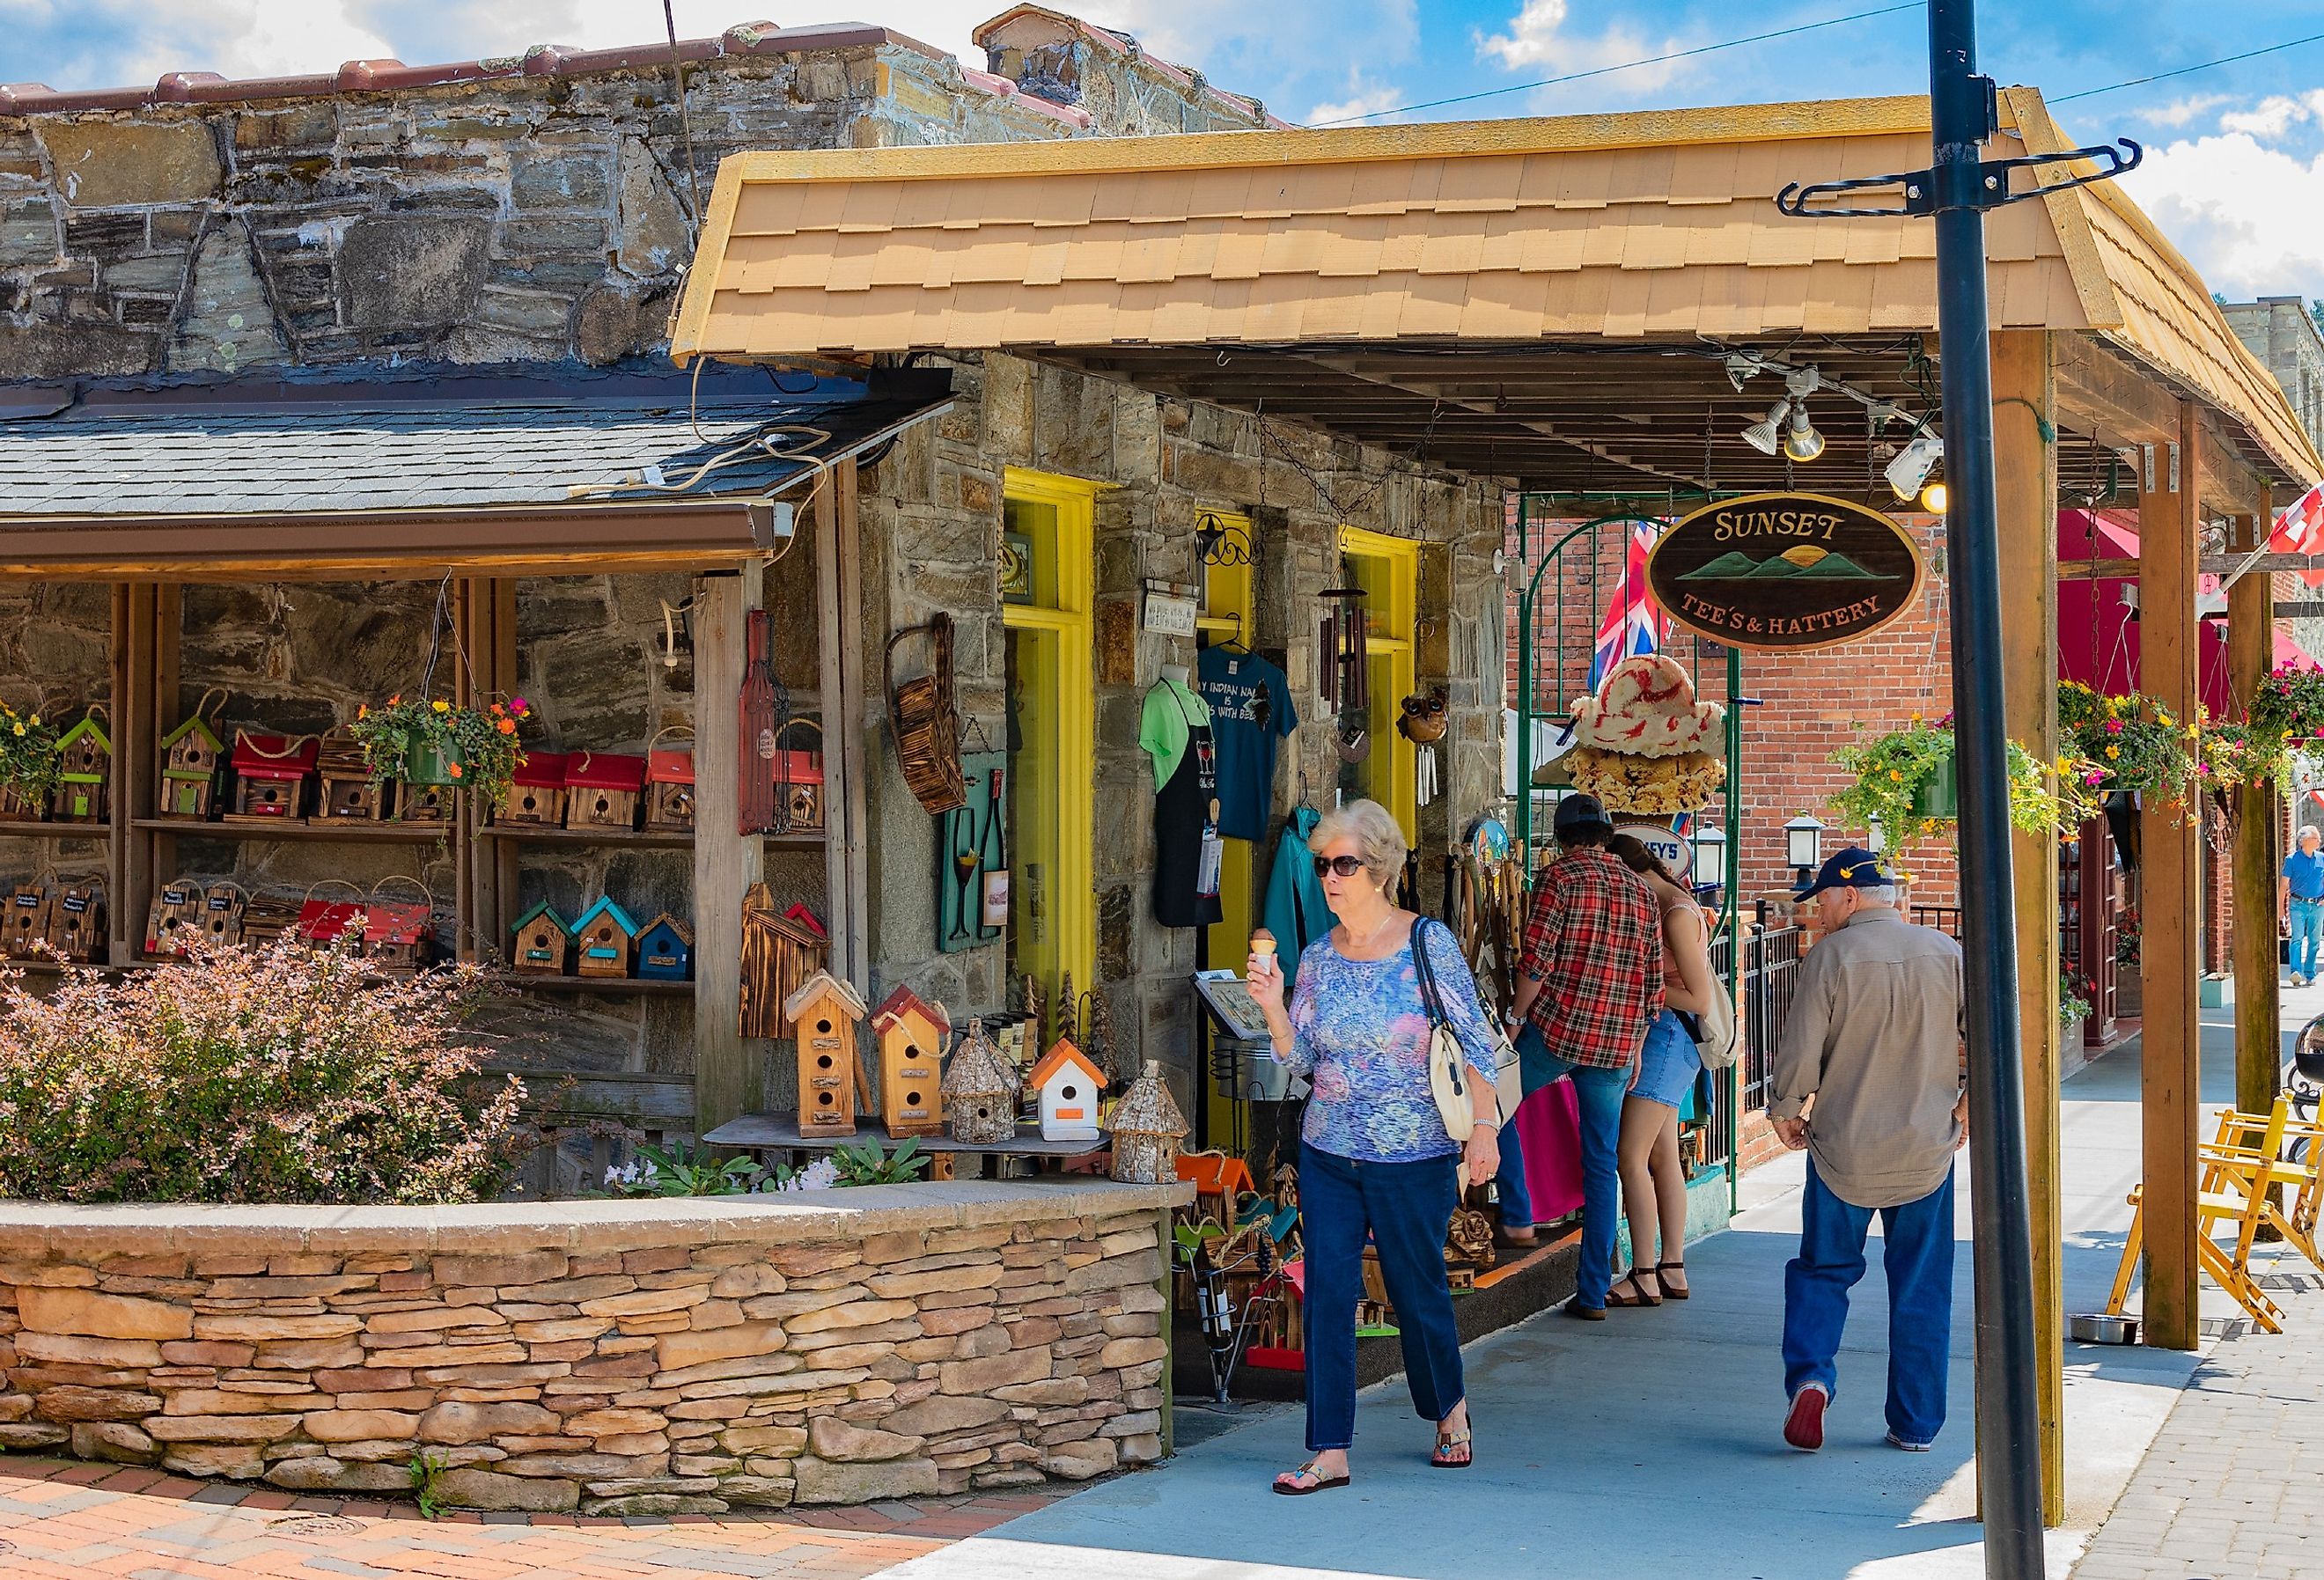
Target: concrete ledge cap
x,y
65,1230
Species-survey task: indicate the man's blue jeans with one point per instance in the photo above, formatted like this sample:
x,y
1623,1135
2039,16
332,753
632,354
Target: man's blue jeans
x,y
2307,935
1406,1210
1918,1258
1599,1096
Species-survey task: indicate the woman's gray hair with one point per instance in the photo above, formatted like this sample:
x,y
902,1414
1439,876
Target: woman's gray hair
x,y
1379,842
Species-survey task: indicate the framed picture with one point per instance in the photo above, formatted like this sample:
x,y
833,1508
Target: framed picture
x,y
1016,568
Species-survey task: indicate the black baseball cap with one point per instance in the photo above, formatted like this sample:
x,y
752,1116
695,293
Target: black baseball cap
x,y
1853,868
1579,813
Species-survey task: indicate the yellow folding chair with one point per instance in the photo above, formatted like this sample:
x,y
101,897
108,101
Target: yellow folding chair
x,y
2232,1195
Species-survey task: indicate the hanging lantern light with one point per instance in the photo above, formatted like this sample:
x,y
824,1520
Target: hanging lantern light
x,y
1803,845
1710,857
1934,498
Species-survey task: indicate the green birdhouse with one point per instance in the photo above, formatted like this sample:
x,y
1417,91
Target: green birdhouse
x,y
190,770
84,758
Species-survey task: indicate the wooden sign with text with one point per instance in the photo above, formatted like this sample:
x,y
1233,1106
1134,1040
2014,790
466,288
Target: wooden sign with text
x,y
1784,572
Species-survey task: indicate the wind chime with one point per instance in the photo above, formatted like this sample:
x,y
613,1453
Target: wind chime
x,y
1342,669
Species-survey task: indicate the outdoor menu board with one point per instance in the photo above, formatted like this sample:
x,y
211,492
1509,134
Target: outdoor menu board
x,y
1784,572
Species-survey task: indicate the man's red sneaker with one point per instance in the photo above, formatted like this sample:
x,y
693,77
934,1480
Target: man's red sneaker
x,y
1804,1425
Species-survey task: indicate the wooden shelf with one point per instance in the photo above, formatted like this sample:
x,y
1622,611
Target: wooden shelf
x,y
550,833
781,1131
55,830
605,984
348,830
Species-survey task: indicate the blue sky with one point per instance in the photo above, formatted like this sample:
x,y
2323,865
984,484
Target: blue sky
x,y
2235,173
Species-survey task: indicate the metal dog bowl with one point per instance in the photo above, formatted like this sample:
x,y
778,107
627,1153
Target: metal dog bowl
x,y
2098,1328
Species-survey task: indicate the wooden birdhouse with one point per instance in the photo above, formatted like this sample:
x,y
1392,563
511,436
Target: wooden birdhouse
x,y
980,1090
265,918
602,788
666,950
606,940
537,794
398,933
322,922
27,920
1069,1085
173,920
669,789
224,905
1147,1130
544,943
270,774
76,921
85,768
912,1036
826,1011
780,951
191,755
798,776
347,792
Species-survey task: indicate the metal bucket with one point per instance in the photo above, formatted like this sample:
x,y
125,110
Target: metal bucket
x,y
2100,1327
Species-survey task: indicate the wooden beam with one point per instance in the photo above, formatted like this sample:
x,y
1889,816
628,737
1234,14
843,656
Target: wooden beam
x,y
725,863
2025,479
2251,653
2101,394
130,710
839,624
2170,902
2230,482
2221,565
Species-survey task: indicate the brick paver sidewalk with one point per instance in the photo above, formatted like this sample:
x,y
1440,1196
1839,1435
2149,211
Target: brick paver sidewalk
x,y
63,1520
2234,1485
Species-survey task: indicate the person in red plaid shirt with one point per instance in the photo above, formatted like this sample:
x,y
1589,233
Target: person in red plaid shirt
x,y
1589,984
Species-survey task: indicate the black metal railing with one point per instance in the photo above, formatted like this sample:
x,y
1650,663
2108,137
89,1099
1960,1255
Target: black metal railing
x,y
1945,918
1771,966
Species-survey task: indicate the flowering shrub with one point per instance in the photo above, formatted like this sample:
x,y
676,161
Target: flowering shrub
x,y
2288,706
2073,996
2231,755
478,744
2132,743
28,755
1890,768
250,1074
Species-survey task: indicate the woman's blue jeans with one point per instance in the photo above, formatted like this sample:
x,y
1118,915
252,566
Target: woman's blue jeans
x,y
1918,1256
2306,935
1405,1209
1598,1094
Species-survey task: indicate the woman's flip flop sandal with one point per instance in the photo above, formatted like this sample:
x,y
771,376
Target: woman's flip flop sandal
x,y
1288,1485
1448,1441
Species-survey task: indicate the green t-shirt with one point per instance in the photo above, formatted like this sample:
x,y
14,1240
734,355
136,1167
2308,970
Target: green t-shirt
x,y
1166,723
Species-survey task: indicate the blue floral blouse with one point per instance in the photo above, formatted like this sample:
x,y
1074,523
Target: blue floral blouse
x,y
1360,1036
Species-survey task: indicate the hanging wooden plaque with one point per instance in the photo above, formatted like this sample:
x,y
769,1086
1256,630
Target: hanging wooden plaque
x,y
1784,572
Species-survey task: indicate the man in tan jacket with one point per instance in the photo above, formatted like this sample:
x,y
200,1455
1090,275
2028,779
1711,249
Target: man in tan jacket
x,y
1868,1080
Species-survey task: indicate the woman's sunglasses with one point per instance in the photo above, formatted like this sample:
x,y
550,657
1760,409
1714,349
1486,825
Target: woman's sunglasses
x,y
1346,867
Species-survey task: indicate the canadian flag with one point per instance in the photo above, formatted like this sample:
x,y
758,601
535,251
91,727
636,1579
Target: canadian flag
x,y
2300,530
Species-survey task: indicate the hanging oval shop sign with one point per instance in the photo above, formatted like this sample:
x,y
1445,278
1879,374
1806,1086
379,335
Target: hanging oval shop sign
x,y
1784,572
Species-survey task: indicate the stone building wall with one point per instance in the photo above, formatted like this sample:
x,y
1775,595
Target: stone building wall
x,y
631,1358
2283,332
931,523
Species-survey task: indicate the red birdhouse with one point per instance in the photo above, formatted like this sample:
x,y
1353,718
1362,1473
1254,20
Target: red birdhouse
x,y
537,794
602,788
270,775
669,789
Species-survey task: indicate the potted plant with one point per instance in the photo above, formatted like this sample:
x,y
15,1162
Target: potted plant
x,y
1905,779
28,763
430,740
2073,1010
2130,741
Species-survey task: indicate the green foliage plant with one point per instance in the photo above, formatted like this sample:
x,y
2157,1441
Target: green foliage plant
x,y
428,1468
29,763
479,744
872,1164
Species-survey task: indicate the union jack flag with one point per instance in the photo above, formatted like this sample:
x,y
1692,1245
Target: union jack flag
x,y
2300,530
1633,623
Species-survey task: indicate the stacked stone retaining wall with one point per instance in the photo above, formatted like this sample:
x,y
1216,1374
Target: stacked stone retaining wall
x,y
692,1356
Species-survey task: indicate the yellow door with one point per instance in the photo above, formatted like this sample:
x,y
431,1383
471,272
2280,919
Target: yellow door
x,y
1228,609
1388,570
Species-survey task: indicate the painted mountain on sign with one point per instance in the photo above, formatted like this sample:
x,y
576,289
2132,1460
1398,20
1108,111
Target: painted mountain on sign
x,y
1805,562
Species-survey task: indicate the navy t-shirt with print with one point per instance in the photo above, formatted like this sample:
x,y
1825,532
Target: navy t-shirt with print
x,y
1251,711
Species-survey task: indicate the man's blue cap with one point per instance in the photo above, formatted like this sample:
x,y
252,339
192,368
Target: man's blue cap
x,y
1853,868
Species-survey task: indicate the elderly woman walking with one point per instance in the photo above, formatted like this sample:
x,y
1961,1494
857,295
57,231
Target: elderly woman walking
x,y
1375,1157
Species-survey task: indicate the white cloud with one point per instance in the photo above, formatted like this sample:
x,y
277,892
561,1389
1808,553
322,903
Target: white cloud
x,y
2178,112
2243,213
1363,101
1538,37
2273,118
132,42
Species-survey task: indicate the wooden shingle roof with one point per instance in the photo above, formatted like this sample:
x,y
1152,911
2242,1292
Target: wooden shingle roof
x,y
1641,228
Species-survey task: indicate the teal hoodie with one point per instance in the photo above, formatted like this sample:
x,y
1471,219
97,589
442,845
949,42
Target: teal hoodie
x,y
1297,912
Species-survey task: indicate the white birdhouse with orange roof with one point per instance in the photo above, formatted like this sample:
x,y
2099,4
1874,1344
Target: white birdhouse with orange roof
x,y
1068,1082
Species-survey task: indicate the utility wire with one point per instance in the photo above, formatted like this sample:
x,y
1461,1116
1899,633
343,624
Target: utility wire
x,y
1782,32
2185,70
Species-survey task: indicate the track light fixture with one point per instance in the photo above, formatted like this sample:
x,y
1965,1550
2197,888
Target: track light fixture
x,y
1739,368
1802,443
1803,381
1766,437
1912,465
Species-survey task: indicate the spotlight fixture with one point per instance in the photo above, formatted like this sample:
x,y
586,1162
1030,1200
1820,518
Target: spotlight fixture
x,y
1804,443
1912,465
1739,368
1934,498
1766,437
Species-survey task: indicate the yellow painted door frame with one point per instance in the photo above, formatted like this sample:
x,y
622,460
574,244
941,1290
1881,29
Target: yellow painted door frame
x,y
1230,610
1388,570
1063,595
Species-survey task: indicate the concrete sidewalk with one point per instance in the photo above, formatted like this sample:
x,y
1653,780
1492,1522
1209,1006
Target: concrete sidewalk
x,y
1648,1445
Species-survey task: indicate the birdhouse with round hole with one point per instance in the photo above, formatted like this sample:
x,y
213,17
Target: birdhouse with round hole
x,y
347,791
173,920
84,768
980,1090
666,950
270,774
669,789
544,943
26,920
77,923
190,757
1067,1083
825,1011
536,795
912,1036
606,940
602,788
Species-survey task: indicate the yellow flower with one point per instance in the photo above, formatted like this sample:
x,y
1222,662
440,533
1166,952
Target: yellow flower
x,y
441,705
20,729
2114,751
36,721
1895,774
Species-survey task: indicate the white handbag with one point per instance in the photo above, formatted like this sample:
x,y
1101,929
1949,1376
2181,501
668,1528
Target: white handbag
x,y
1449,1074
1715,1030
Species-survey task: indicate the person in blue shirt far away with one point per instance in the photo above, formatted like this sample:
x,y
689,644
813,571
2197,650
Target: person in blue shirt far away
x,y
2303,882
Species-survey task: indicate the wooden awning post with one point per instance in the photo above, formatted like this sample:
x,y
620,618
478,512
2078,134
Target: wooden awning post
x,y
2026,482
2251,651
2169,895
727,1068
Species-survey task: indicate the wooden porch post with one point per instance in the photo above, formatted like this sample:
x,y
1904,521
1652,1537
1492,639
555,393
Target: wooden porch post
x,y
2169,895
2259,1032
2026,476
725,863
839,623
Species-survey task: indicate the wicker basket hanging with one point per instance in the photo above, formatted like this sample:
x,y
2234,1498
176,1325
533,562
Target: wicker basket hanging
x,y
926,723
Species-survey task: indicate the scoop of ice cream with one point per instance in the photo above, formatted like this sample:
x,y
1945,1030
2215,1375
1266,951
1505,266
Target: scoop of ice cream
x,y
1645,707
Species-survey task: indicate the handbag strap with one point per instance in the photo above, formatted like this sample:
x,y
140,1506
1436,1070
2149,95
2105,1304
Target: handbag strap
x,y
1432,997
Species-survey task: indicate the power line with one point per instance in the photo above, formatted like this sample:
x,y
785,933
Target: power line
x,y
2185,70
1760,38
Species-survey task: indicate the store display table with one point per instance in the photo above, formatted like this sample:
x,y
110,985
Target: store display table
x,y
775,1131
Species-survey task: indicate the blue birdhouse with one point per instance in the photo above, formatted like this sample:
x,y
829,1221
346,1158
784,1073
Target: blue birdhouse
x,y
666,950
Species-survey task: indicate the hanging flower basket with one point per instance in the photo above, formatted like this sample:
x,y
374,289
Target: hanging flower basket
x,y
1907,779
1938,796
29,763
432,763
427,741
2131,740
